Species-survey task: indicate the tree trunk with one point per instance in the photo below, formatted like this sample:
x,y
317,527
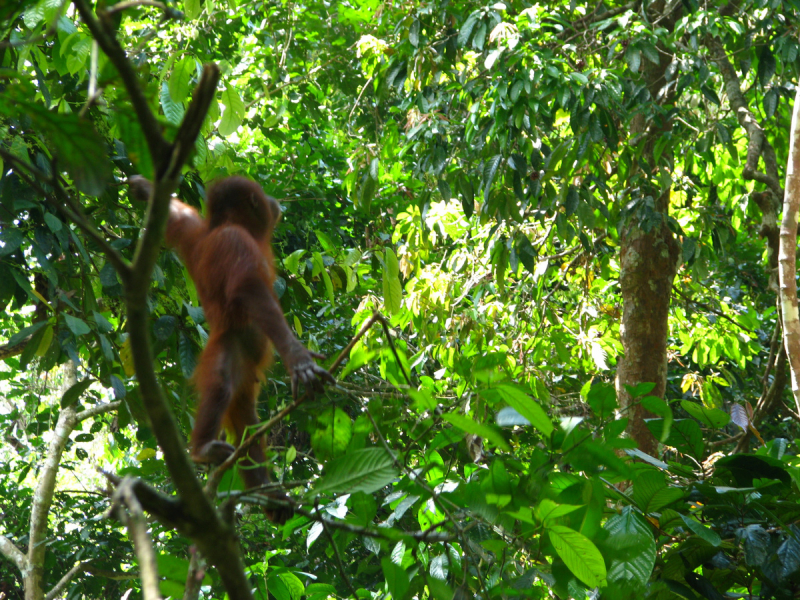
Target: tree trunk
x,y
648,263
648,258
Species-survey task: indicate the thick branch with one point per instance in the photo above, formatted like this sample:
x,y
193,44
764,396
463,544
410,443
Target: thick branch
x,y
787,267
12,553
758,144
43,499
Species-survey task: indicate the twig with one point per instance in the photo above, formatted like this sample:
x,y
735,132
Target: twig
x,y
710,309
216,475
135,3
336,553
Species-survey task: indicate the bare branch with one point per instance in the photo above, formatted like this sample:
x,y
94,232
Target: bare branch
x,y
12,553
134,520
97,410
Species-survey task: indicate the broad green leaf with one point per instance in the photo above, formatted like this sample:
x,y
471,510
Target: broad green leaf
x,y
73,394
192,8
547,510
234,111
10,239
485,431
292,262
173,111
332,433
657,406
631,548
180,79
710,417
293,584
602,397
76,325
712,537
579,554
366,470
326,279
396,579
392,290
527,407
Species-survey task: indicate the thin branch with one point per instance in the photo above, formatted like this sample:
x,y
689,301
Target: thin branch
x,y
758,146
710,309
134,519
78,567
97,410
336,553
135,4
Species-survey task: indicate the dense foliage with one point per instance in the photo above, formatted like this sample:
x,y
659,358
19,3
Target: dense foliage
x,y
459,177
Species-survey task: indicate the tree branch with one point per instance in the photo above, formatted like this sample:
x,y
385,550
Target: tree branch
x,y
758,144
134,520
12,553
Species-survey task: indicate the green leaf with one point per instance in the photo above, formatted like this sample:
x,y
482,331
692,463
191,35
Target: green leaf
x,y
186,355
710,417
333,432
392,290
74,393
53,222
234,111
444,190
485,431
293,584
326,279
76,325
181,79
651,492
766,65
712,537
10,239
579,554
103,326
489,172
466,29
602,398
631,549
164,327
292,262
396,579
366,470
192,9
173,111
633,57
23,333
657,406
527,407
413,33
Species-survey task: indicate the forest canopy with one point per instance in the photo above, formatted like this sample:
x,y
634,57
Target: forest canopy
x,y
547,249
